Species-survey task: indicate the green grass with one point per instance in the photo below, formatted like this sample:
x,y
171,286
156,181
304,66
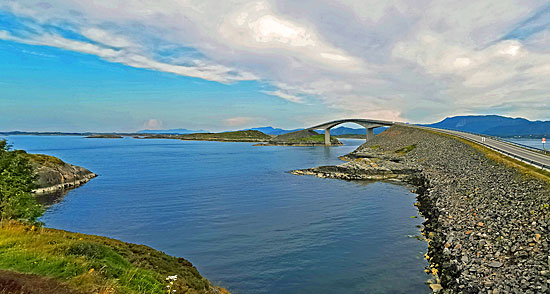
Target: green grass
x,y
238,135
406,149
312,139
41,159
94,264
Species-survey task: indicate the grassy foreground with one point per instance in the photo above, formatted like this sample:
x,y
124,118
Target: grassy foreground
x,y
93,264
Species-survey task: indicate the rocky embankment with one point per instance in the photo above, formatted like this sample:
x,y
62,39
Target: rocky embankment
x,y
487,222
53,174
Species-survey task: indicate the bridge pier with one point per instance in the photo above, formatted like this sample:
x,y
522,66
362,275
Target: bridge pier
x,y
370,133
327,137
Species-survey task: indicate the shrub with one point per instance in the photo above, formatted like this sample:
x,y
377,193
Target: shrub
x,y
16,183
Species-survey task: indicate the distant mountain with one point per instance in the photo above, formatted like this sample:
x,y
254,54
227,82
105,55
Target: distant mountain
x,y
495,125
273,131
171,131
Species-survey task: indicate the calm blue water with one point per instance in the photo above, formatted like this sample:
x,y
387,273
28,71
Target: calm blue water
x,y
535,143
236,213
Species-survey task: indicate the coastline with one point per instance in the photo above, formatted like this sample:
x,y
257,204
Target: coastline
x,y
71,262
487,222
66,185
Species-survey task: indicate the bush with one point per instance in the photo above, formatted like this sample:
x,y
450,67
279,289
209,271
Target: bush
x,y
16,183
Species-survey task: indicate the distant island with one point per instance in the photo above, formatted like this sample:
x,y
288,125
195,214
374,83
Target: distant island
x,y
237,136
106,136
301,138
297,138
491,125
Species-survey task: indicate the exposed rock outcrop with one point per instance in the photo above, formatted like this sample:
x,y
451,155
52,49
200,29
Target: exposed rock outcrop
x,y
487,222
53,174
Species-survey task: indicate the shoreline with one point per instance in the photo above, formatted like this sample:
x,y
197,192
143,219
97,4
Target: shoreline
x,y
486,222
65,186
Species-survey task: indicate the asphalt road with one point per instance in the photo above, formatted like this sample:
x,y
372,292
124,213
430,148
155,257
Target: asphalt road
x,y
529,156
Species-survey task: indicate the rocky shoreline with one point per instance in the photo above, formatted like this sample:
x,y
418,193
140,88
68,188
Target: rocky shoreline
x,y
53,174
65,185
487,223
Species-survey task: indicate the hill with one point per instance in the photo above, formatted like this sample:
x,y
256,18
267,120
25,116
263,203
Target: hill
x,y
302,138
237,136
37,259
495,125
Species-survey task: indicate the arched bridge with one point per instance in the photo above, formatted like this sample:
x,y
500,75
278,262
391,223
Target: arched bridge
x,y
368,124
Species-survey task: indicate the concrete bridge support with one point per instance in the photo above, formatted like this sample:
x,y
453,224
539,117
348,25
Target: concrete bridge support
x,y
327,137
370,133
369,124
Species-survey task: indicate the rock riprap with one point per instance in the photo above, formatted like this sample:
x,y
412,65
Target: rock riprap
x,y
487,222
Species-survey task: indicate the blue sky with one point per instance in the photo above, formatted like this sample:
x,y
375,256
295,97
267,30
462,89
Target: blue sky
x,y
129,65
48,89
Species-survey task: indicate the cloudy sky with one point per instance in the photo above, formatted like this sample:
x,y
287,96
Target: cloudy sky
x,y
109,65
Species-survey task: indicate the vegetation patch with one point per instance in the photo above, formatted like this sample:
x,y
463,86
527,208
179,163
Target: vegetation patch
x,y
406,149
94,264
311,139
41,159
249,135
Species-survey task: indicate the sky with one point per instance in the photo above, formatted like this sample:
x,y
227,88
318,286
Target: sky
x,y
127,65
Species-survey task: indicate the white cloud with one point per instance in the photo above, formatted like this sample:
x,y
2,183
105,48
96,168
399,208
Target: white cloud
x,y
396,60
107,38
212,72
153,124
286,96
239,121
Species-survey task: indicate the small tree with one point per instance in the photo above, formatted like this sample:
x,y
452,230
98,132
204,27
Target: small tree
x,y
16,183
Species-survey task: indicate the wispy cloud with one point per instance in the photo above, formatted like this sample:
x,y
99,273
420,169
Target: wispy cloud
x,y
239,121
398,59
286,96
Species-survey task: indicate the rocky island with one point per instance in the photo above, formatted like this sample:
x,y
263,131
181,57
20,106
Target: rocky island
x,y
104,136
487,216
300,138
236,136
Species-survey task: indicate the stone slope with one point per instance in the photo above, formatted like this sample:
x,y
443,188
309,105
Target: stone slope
x,y
487,224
